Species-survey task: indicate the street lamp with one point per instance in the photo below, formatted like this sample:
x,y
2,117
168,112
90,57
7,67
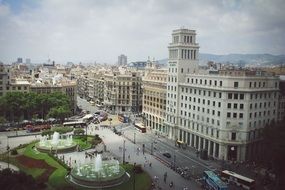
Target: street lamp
x,y
134,137
8,149
193,170
124,152
174,162
134,183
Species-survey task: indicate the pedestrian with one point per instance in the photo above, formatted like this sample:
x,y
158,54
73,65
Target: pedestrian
x,y
150,164
171,184
129,157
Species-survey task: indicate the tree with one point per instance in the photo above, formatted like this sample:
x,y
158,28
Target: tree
x,y
59,112
15,106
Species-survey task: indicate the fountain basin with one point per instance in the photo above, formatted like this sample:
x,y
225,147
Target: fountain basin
x,y
56,144
109,175
62,147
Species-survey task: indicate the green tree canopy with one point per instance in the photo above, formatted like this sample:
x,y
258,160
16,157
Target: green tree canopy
x,y
15,106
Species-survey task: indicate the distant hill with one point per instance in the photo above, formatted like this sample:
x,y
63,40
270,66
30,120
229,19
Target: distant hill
x,y
240,59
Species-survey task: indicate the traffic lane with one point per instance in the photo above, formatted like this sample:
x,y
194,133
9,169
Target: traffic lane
x,y
85,105
181,160
159,148
145,138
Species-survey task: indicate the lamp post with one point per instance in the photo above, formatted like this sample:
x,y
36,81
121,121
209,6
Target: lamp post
x,y
193,170
8,149
124,152
174,162
134,137
134,182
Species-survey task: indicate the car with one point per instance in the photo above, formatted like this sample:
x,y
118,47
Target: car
x,y
166,154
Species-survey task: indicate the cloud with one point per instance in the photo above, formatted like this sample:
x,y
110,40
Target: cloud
x,y
98,30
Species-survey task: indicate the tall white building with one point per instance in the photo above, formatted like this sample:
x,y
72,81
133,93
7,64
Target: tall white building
x,y
221,112
122,60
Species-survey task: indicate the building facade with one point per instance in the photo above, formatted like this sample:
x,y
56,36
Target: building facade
x,y
221,112
122,92
154,99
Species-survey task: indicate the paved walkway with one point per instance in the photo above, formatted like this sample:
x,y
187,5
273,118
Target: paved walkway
x,y
4,165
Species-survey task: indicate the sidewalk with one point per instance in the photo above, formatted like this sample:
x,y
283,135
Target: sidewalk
x,y
4,165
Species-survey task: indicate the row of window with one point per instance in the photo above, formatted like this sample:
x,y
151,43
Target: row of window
x,y
263,84
235,106
206,82
155,99
255,114
199,101
200,128
262,95
234,115
213,112
202,92
265,104
235,96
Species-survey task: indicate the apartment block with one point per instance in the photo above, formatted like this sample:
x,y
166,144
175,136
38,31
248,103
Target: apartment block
x,y
122,92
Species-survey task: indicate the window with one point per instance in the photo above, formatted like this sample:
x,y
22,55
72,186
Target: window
x,y
229,105
235,96
235,106
221,83
228,115
241,96
241,106
234,115
240,115
236,84
249,84
233,136
230,96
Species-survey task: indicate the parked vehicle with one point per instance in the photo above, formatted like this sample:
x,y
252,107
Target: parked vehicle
x,y
166,154
37,128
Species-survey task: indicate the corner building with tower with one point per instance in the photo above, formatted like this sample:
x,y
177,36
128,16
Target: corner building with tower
x,y
221,112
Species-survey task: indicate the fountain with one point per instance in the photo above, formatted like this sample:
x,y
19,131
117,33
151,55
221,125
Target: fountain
x,y
56,143
98,173
98,163
55,139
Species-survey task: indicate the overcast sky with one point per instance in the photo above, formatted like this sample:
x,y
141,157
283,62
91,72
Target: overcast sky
x,y
100,30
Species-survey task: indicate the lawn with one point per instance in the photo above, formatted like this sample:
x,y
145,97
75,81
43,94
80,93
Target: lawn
x,y
82,144
56,179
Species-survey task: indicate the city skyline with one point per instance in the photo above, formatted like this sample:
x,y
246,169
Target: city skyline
x,y
90,31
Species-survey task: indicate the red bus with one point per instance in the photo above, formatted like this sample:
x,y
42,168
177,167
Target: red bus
x,y
36,128
140,127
